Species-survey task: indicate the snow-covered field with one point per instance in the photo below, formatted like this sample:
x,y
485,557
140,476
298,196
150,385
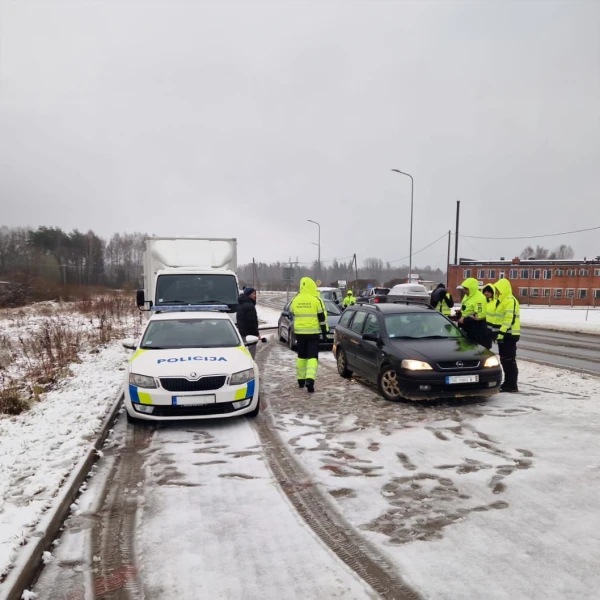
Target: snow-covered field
x,y
578,320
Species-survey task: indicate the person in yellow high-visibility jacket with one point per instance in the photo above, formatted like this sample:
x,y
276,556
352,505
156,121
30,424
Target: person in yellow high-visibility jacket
x,y
310,323
509,333
349,300
492,318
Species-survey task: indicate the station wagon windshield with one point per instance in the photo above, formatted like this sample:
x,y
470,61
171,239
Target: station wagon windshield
x,y
429,325
190,333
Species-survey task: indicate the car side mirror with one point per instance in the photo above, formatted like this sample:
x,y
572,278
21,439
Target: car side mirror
x,y
285,313
129,343
372,337
251,340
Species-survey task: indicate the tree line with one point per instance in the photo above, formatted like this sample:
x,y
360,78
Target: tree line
x,y
71,258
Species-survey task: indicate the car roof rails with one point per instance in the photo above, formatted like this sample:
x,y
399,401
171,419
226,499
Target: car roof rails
x,y
189,308
415,302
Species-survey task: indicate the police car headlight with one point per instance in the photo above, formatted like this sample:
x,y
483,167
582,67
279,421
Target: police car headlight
x,y
242,377
142,381
416,365
492,361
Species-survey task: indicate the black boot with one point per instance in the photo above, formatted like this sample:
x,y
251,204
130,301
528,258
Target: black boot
x,y
300,383
310,386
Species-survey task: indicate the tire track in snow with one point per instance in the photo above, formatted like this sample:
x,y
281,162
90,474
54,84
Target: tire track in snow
x,y
319,514
113,536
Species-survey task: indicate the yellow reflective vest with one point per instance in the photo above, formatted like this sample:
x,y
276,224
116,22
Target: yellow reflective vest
x,y
310,315
508,311
443,306
474,304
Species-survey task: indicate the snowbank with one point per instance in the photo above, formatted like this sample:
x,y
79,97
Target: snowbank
x,y
578,320
39,448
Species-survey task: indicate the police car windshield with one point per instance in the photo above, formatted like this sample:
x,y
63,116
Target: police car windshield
x,y
190,333
196,289
429,325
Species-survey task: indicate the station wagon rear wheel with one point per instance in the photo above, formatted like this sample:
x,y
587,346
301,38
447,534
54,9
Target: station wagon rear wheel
x,y
342,364
389,386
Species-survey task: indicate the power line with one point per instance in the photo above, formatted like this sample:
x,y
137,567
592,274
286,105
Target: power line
x,y
421,250
529,237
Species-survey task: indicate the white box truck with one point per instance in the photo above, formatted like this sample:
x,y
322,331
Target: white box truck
x,y
185,271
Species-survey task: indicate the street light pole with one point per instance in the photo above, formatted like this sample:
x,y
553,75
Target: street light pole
x,y
319,246
412,189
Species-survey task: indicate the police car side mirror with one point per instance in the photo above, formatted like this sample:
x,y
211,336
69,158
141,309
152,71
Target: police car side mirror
x,y
251,340
129,343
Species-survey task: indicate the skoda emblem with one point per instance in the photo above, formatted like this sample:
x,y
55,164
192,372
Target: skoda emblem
x,y
194,374
459,363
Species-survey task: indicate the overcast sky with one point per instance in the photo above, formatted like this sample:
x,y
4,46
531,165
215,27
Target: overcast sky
x,y
243,119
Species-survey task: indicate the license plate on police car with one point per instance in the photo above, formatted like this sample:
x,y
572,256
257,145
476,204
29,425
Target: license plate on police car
x,y
194,400
462,379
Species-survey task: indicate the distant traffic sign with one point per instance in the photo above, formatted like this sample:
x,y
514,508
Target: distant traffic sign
x,y
369,286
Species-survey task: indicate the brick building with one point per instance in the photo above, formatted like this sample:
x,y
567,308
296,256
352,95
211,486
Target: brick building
x,y
544,282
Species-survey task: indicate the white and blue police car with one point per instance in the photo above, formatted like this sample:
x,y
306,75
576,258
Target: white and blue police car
x,y
190,363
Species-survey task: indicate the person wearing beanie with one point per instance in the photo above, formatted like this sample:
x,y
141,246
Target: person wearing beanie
x,y
247,319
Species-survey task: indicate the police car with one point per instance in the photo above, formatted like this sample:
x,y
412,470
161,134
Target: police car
x,y
190,363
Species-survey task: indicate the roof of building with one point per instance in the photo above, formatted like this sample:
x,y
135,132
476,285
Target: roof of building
x,y
528,262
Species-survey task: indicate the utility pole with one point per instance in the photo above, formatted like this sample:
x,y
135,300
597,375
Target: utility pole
x,y
253,273
448,265
456,232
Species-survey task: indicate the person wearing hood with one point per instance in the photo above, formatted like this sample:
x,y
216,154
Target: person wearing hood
x,y
473,313
310,323
349,300
442,300
246,317
509,333
491,317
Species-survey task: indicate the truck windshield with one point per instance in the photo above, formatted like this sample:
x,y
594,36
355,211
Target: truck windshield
x,y
197,289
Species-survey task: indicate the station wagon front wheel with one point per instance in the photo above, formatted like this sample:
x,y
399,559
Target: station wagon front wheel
x,y
389,386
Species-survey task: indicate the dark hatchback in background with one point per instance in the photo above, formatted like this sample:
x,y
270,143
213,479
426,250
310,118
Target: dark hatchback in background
x,y
286,330
413,352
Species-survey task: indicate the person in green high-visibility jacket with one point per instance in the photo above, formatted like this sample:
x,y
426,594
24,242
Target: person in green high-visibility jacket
x,y
491,315
310,323
442,300
349,299
473,312
509,333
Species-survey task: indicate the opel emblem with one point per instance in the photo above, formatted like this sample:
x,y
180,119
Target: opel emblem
x,y
459,363
192,374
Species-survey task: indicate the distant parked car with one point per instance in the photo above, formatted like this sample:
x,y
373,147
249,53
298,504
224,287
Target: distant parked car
x,y
413,352
334,294
286,324
372,295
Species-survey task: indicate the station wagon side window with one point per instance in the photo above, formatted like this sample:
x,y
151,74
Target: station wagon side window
x,y
359,321
346,317
372,325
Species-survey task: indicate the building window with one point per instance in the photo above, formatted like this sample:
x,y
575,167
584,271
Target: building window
x,y
514,274
467,273
536,274
523,291
535,292
597,294
558,293
571,272
525,274
546,292
582,294
583,272
596,272
547,274
559,273
492,274
570,293
502,274
481,274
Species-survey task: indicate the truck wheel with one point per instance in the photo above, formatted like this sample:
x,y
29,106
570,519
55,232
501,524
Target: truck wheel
x,y
342,364
388,384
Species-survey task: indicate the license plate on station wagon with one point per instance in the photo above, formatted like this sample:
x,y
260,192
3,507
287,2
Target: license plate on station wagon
x,y
194,400
462,379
